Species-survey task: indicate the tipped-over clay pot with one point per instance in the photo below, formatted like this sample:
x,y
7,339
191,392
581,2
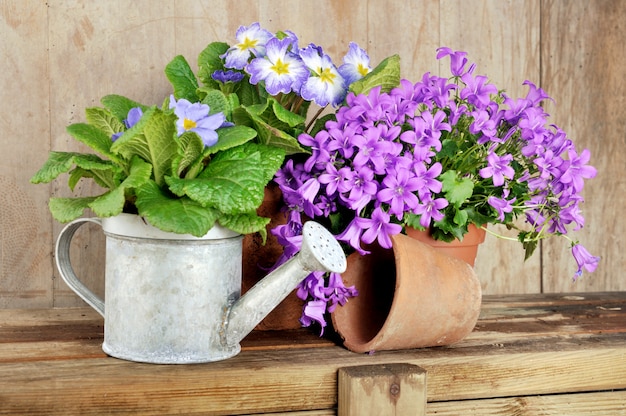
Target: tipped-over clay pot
x,y
410,296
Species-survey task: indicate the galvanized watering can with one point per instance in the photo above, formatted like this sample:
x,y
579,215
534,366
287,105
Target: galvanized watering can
x,y
175,299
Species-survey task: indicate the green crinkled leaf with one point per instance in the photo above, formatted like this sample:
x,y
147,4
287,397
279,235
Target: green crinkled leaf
x,y
217,102
246,224
112,203
68,209
119,105
230,137
457,190
104,178
191,148
248,94
273,136
153,139
217,186
94,138
182,78
257,109
386,75
109,204
271,159
61,162
182,216
209,61
104,120
286,116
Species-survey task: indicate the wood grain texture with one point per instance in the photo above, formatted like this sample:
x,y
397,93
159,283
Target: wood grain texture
x,y
583,51
523,346
64,55
371,390
586,404
25,229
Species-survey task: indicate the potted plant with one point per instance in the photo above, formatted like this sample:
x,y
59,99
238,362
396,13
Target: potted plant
x,y
441,154
183,180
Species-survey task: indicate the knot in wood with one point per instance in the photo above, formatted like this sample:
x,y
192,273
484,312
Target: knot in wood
x,y
394,389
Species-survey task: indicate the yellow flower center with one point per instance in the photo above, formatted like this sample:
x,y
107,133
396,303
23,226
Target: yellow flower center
x,y
280,67
189,124
363,70
247,44
327,76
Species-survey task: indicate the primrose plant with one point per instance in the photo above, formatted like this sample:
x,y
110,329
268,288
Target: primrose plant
x,y
206,154
439,154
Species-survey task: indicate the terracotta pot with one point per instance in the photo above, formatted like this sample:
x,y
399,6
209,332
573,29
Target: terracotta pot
x,y
259,257
410,296
465,250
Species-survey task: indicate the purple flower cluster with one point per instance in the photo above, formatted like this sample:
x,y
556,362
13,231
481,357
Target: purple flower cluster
x,y
441,154
282,67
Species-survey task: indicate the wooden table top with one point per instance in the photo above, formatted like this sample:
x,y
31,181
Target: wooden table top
x,y
51,362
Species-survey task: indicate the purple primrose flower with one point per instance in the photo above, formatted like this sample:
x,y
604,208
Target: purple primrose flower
x,y
195,117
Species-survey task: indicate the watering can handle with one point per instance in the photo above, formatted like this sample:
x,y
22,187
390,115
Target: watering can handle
x,y
65,267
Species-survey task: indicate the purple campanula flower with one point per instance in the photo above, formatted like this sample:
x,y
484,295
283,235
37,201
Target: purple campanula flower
x,y
483,125
336,180
399,187
584,259
378,228
426,177
430,209
476,91
371,150
502,205
549,164
434,126
337,292
362,189
457,60
280,69
352,236
498,168
314,311
578,169
535,95
318,145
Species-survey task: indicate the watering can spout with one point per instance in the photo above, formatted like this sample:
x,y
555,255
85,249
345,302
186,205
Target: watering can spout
x,y
320,252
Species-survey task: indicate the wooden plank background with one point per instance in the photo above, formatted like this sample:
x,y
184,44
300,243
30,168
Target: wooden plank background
x,y
61,56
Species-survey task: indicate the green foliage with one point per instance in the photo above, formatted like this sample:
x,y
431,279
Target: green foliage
x,y
176,182
386,75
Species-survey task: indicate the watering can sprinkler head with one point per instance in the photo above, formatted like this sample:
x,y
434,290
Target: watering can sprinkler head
x,y
320,251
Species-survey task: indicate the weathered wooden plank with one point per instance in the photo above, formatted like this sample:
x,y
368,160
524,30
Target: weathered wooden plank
x,y
25,232
586,404
273,381
390,389
582,59
526,351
